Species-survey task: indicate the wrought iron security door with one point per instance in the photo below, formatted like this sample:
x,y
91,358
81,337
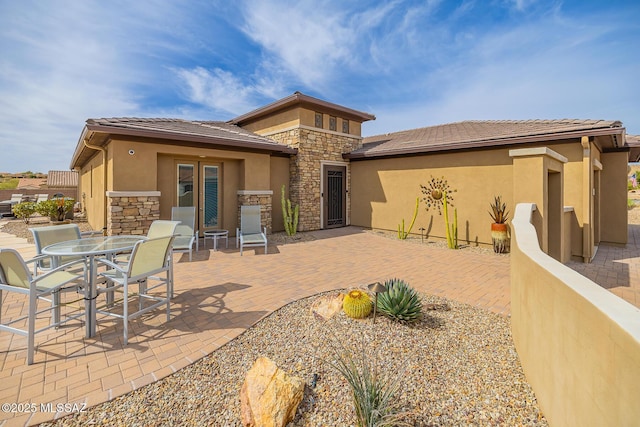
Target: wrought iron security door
x,y
335,196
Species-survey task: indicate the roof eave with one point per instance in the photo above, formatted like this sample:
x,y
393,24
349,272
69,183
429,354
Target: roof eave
x,y
91,129
300,98
490,143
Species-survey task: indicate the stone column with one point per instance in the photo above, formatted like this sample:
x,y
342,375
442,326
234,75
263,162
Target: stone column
x,y
263,198
131,212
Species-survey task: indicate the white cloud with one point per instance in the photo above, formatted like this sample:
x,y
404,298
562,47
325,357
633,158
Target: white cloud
x,y
218,89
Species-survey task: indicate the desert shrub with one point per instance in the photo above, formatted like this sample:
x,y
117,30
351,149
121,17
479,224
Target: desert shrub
x,y
56,209
24,211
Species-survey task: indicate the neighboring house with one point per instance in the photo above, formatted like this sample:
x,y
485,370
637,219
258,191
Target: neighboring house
x,y
133,171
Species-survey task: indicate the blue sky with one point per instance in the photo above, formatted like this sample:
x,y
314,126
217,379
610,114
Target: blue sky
x,y
411,63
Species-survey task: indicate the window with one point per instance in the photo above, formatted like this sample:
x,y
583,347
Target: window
x,y
345,126
333,123
319,120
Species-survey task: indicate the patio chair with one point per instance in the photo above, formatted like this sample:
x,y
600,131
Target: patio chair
x,y
162,228
149,259
42,198
16,198
186,234
15,276
250,232
45,236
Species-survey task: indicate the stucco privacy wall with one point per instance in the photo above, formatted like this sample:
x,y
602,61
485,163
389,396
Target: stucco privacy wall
x,y
579,344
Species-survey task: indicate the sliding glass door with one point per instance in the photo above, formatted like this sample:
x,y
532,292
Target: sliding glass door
x,y
198,184
210,197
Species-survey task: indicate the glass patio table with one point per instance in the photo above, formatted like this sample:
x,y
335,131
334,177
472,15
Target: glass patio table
x,y
90,248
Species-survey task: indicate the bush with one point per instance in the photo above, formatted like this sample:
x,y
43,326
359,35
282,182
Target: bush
x,y
56,209
24,210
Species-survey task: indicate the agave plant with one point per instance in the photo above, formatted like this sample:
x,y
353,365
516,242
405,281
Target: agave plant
x,y
401,302
499,208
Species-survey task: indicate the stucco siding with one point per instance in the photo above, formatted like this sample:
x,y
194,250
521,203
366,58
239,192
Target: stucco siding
x,y
384,191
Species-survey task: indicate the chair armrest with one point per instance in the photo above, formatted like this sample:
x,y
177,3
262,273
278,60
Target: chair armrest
x,y
61,268
110,264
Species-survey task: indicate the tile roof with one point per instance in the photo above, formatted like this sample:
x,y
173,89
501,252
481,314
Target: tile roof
x,y
183,132
206,129
62,179
299,98
477,134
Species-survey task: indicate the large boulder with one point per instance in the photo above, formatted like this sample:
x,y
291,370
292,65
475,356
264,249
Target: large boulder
x,y
269,397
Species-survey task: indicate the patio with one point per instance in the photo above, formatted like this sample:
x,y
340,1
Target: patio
x,y
221,294
218,296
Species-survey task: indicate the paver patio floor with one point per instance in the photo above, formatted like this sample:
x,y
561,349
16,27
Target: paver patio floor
x,y
218,296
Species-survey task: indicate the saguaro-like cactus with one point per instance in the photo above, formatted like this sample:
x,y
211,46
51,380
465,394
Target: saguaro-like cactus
x,y
402,235
289,215
452,229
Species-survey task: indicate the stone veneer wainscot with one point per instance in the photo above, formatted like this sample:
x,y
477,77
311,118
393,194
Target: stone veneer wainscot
x,y
131,212
314,146
258,197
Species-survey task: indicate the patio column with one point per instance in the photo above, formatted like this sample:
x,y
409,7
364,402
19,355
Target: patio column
x,y
263,198
131,212
538,177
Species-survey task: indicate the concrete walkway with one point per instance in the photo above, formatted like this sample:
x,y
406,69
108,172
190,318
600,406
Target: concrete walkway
x,y
218,296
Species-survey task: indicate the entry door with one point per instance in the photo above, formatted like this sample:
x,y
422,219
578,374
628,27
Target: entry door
x,y
335,196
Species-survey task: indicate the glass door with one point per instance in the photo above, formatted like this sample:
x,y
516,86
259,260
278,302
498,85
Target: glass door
x,y
210,197
186,184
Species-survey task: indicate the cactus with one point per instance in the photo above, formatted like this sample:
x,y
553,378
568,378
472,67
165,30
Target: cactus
x,y
357,304
400,302
402,235
289,215
452,230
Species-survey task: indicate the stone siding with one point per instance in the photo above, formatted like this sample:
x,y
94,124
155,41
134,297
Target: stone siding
x,y
305,177
131,214
262,198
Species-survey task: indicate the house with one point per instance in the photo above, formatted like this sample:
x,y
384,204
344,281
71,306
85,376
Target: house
x,y
132,171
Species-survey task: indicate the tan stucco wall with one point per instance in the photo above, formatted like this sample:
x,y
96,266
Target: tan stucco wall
x,y
296,116
279,177
613,198
384,191
152,167
579,345
91,183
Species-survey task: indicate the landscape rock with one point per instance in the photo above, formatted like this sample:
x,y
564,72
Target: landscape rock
x,y
327,306
269,396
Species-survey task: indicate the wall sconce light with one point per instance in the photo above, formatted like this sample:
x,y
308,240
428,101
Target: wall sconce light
x,y
376,288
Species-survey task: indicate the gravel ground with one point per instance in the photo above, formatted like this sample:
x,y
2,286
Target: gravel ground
x,y
459,367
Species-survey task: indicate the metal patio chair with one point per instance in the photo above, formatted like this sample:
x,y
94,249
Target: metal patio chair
x,y
251,232
15,276
186,234
149,261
